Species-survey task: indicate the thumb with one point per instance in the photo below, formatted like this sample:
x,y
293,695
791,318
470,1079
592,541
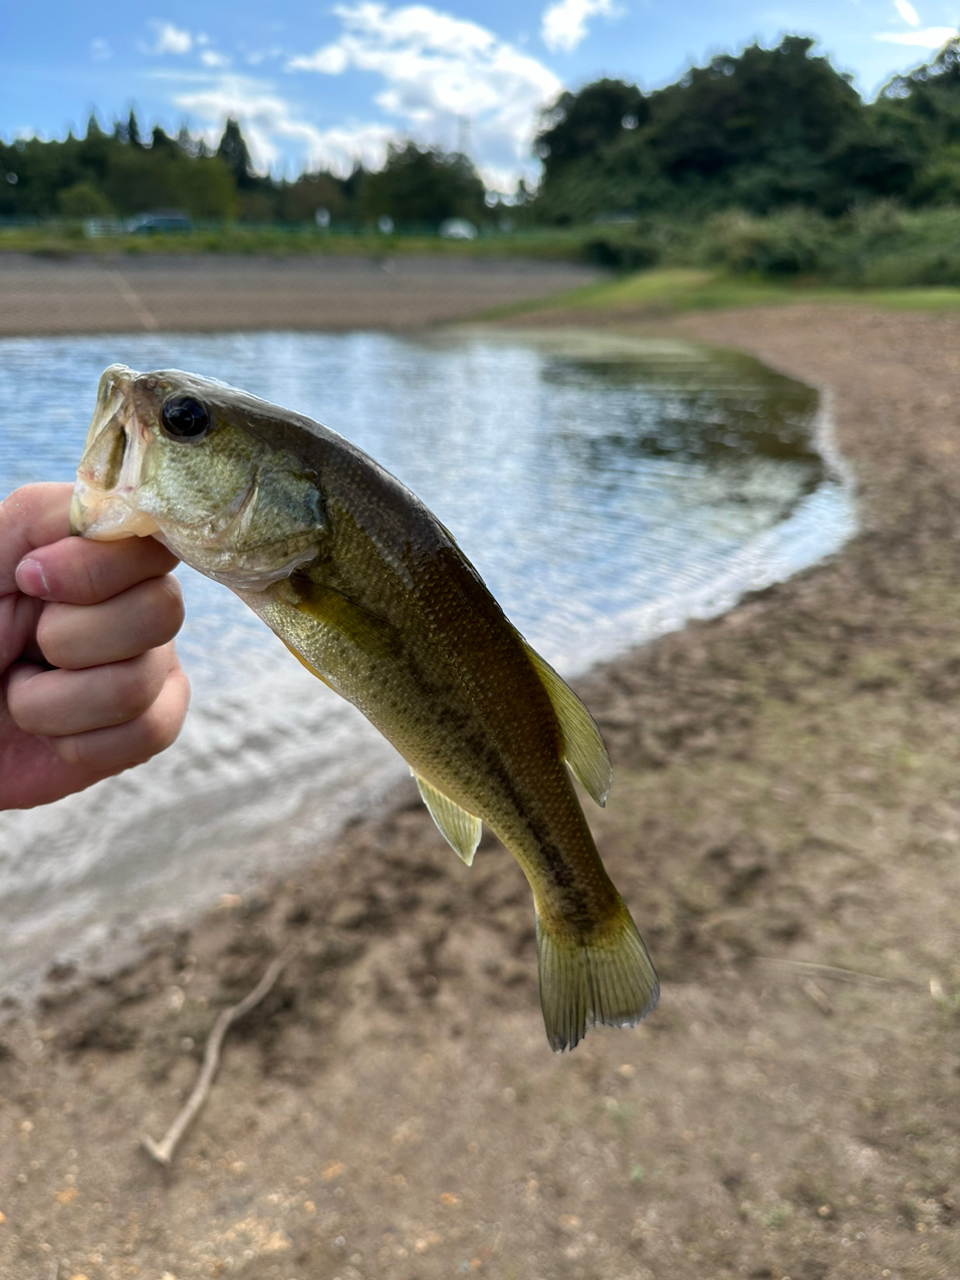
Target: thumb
x,y
30,517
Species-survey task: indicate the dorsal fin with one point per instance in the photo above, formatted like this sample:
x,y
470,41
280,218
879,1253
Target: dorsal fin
x,y
583,747
460,829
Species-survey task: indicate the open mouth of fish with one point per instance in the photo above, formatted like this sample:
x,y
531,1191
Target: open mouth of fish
x,y
103,504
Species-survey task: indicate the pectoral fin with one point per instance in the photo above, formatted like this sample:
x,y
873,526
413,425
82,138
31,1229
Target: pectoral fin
x,y
583,747
460,829
371,634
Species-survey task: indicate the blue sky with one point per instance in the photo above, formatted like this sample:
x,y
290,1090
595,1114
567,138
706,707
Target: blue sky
x,y
321,85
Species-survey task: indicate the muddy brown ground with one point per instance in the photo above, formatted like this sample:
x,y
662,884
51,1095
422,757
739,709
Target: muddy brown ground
x,y
785,823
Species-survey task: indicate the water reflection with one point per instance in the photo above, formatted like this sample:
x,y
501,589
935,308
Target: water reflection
x,y
716,413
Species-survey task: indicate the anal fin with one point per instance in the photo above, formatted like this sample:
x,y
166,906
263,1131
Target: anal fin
x,y
583,748
460,829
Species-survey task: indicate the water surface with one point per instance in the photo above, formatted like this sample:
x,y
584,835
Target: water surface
x,y
606,489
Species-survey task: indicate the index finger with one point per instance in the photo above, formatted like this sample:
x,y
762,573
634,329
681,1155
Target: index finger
x,y
76,571
35,526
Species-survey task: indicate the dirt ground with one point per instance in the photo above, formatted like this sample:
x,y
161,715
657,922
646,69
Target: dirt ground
x,y
120,293
785,824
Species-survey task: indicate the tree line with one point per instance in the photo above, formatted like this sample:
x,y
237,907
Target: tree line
x,y
764,131
122,173
767,130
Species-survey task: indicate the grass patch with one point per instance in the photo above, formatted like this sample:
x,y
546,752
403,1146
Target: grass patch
x,y
677,289
66,239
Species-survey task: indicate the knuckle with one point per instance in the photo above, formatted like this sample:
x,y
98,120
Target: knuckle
x,y
156,733
23,709
134,685
52,633
77,750
160,608
148,735
88,574
170,601
161,724
74,572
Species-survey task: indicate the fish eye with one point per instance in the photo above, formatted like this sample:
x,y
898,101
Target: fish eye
x,y
184,418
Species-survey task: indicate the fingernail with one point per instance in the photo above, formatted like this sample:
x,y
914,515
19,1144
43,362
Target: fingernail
x,y
31,579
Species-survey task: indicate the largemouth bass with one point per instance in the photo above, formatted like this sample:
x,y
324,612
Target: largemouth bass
x,y
371,593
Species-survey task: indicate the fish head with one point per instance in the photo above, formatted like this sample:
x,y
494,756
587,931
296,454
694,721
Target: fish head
x,y
211,472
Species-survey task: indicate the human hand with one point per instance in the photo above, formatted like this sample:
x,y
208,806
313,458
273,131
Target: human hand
x,y
90,683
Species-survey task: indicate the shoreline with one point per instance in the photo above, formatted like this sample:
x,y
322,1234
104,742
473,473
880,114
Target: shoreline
x,y
785,824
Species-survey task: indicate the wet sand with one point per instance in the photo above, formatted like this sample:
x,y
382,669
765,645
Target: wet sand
x,y
785,824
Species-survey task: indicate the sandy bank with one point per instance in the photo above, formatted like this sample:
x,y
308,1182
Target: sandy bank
x,y
785,823
213,292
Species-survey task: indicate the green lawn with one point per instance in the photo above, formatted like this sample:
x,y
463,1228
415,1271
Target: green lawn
x,y
68,239
689,289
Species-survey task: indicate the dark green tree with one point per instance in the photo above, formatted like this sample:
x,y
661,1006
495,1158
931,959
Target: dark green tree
x,y
235,155
421,186
578,125
921,111
82,200
160,141
929,94
133,130
299,201
780,110
762,130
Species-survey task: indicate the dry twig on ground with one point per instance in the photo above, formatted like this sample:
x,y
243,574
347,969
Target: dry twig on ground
x,y
163,1151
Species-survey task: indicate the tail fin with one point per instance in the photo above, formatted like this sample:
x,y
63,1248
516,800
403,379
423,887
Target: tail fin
x,y
609,979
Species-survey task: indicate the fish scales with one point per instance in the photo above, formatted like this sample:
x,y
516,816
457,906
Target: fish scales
x,y
370,591
485,714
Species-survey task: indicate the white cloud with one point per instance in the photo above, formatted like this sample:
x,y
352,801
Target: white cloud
x,y
209,58
928,38
267,120
437,70
171,39
330,60
907,12
342,146
564,24
100,50
254,57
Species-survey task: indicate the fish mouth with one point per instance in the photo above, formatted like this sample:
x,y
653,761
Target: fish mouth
x,y
103,504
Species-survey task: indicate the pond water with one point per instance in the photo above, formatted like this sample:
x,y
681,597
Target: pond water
x,y
606,489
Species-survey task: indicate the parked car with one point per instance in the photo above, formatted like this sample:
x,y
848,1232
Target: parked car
x,y
148,224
